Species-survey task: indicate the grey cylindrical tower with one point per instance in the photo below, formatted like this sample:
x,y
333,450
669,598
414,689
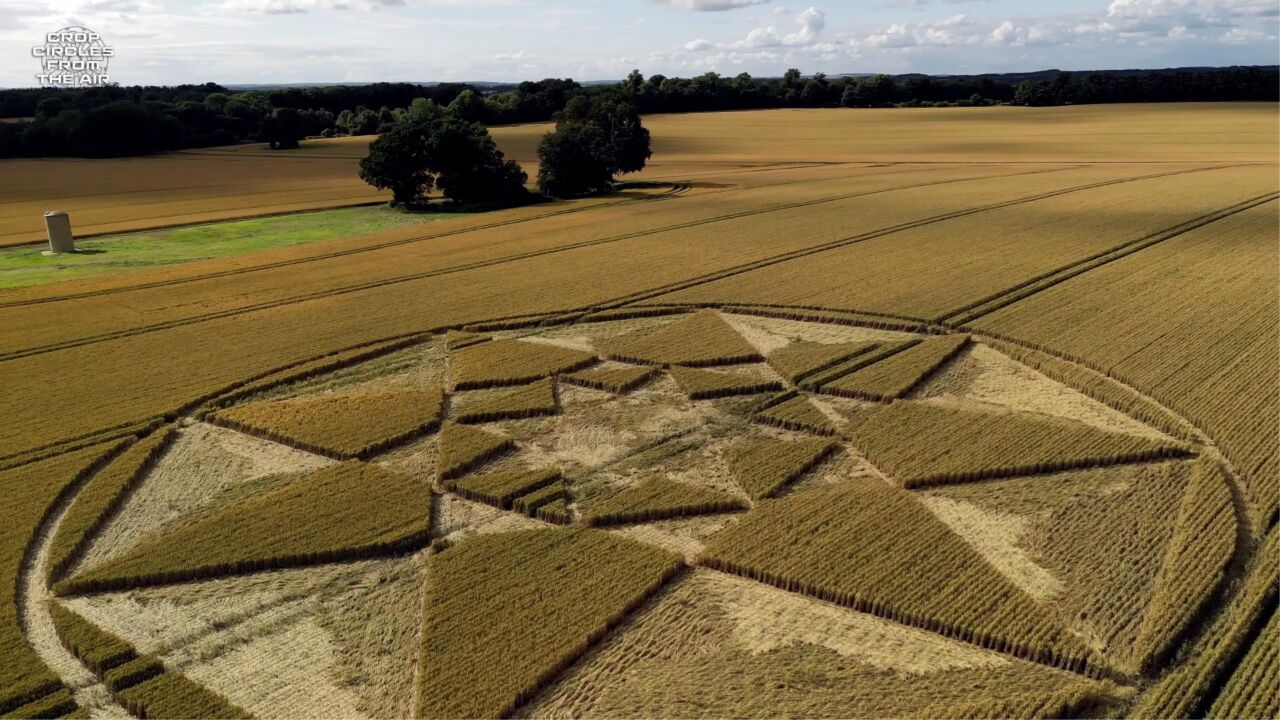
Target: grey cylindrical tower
x,y
58,225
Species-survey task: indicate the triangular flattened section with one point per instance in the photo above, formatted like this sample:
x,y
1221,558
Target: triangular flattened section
x,y
799,360
617,380
699,340
873,547
340,425
505,613
895,376
925,443
765,467
463,448
661,498
708,384
512,362
798,413
342,512
502,487
533,400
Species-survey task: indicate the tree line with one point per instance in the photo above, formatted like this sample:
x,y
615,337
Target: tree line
x,y
116,121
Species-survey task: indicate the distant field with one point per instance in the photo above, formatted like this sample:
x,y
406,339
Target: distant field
x,y
242,181
937,413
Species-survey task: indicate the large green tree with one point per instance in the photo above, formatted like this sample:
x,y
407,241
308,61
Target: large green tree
x,y
429,148
595,140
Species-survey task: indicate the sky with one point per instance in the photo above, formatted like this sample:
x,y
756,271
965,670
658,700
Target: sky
x,y
294,41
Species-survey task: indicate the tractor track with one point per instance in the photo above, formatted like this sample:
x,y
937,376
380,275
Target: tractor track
x,y
677,190
861,237
331,292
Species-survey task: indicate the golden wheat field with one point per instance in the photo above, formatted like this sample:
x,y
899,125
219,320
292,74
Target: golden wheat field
x,y
884,413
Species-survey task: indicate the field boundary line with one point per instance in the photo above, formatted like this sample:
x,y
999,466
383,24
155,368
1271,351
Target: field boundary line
x,y
332,292
985,306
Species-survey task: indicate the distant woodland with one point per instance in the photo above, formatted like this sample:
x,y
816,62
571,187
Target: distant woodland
x,y
119,121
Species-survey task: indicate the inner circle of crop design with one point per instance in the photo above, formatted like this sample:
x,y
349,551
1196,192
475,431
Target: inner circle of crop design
x,y
932,482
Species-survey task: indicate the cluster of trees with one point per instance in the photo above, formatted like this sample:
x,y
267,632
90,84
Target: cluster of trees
x,y
432,147
133,120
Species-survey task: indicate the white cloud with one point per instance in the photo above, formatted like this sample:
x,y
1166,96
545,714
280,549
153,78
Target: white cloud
x,y
698,45
518,56
709,5
810,25
780,10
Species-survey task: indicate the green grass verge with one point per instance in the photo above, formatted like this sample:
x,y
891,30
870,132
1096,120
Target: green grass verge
x,y
24,266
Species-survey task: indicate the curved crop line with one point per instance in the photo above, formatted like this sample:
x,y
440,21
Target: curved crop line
x,y
331,292
213,397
